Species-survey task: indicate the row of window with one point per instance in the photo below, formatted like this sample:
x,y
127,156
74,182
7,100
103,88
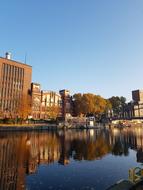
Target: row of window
x,y
8,105
7,93
12,81
12,71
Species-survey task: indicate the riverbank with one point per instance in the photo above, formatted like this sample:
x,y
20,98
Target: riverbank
x,y
43,126
27,127
54,126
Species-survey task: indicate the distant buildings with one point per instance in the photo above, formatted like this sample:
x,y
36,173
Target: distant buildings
x,y
46,102
51,105
137,96
15,82
134,109
15,86
36,100
66,103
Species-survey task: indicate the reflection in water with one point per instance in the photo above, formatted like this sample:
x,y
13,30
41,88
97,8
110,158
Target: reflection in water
x,y
22,153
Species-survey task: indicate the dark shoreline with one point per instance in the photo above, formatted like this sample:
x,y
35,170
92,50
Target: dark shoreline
x,y
26,127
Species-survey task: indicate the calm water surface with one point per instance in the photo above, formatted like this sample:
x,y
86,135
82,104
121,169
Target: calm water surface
x,y
68,160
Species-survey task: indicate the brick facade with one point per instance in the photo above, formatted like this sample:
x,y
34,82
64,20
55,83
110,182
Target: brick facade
x,y
15,82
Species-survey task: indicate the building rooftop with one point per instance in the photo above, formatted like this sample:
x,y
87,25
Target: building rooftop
x,y
138,90
36,83
50,91
9,60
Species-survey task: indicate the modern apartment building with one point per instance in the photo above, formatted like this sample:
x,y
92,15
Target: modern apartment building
x,y
15,82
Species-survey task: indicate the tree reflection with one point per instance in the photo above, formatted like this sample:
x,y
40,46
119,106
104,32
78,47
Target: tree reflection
x,y
90,150
22,153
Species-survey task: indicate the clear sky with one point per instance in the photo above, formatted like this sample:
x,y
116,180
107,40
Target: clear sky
x,y
82,45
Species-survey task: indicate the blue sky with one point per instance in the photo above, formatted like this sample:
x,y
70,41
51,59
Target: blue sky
x,y
82,45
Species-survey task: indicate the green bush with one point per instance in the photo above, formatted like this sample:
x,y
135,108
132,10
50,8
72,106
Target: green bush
x,y
8,121
1,121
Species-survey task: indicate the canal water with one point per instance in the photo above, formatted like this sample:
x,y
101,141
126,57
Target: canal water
x,y
68,160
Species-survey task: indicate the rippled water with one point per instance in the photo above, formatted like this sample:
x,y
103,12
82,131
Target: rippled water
x,y
68,160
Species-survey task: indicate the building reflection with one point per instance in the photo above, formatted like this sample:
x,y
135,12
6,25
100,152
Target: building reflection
x,y
22,153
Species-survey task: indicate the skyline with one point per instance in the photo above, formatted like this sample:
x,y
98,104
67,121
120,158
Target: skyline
x,y
97,43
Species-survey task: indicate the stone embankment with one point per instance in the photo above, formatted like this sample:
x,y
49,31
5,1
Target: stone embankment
x,y
27,127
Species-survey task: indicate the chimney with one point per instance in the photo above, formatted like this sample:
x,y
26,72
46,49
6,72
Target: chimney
x,y
8,55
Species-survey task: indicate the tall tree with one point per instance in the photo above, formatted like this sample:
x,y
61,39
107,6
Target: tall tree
x,y
23,109
117,103
52,112
89,104
77,104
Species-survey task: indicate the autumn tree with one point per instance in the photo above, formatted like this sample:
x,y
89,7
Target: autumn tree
x,y
89,104
108,106
1,113
23,108
52,112
77,104
100,104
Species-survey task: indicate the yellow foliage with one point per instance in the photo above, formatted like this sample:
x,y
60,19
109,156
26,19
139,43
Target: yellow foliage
x,y
52,112
24,107
89,103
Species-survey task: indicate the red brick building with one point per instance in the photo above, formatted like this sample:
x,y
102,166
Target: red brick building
x,y
66,103
15,82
